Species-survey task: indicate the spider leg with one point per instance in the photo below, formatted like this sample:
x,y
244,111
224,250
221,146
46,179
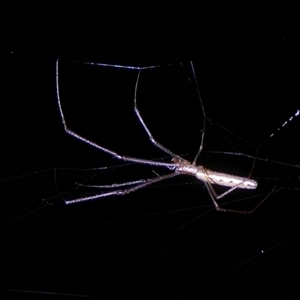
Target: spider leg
x,y
113,153
213,196
204,115
114,185
138,114
123,191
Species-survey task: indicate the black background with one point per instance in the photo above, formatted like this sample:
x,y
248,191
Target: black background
x,y
165,241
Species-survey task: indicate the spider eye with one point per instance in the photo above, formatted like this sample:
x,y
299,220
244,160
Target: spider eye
x,y
172,167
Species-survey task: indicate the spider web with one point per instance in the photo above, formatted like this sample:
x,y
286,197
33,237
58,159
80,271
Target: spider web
x,y
167,239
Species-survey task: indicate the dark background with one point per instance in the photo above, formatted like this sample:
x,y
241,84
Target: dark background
x,y
166,241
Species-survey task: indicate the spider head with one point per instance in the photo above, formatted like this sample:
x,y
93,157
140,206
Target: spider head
x,y
180,161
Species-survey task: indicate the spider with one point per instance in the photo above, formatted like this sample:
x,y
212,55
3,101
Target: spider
x,y
178,165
